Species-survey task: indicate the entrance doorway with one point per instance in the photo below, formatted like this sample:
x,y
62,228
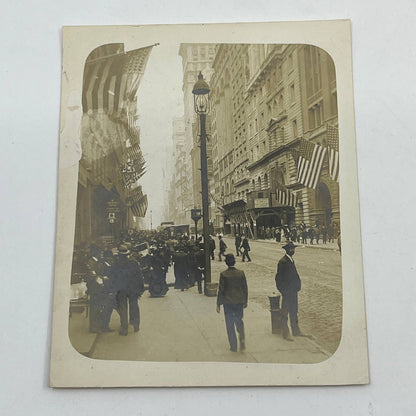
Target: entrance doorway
x,y
323,205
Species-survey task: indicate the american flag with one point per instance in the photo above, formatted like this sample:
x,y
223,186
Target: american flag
x,y
139,208
285,197
134,167
333,152
309,158
110,82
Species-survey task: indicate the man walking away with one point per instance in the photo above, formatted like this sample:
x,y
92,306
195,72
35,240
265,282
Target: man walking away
x,y
288,283
246,248
237,244
128,281
211,247
223,247
233,295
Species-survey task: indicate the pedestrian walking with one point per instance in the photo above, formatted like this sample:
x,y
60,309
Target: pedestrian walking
x,y
181,267
331,233
223,247
233,295
237,244
288,283
324,234
200,266
129,286
245,248
212,247
311,235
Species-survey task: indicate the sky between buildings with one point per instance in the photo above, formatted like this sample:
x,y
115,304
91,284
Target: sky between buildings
x,y
159,101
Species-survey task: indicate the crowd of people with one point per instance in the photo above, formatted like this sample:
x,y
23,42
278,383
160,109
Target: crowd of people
x,y
117,276
301,233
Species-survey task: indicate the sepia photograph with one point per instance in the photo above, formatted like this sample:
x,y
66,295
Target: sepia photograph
x,y
206,209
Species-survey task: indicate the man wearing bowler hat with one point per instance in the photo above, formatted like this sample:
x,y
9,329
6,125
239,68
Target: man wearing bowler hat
x,y
233,295
128,284
288,284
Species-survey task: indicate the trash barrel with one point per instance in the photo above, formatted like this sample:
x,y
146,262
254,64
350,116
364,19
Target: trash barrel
x,y
274,302
276,314
211,289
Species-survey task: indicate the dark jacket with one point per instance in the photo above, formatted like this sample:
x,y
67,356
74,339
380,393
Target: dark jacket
x,y
245,244
287,277
232,288
223,246
127,276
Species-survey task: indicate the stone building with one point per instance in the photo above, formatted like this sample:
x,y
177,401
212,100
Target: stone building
x,y
109,198
179,192
266,101
196,58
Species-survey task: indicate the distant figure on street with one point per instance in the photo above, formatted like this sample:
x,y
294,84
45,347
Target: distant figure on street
x,y
128,283
288,283
311,235
223,247
233,295
237,244
212,247
339,242
245,249
181,267
331,233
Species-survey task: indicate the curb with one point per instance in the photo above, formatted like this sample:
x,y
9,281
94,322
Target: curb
x,y
313,246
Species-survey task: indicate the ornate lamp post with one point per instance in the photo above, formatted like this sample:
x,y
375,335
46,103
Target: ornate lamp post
x,y
201,92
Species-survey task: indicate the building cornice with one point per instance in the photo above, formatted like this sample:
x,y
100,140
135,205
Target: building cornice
x,y
276,152
259,76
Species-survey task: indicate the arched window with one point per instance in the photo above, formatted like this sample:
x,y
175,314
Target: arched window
x,y
266,181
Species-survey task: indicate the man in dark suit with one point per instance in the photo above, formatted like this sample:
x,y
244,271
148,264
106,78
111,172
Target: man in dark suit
x,y
237,244
128,284
233,295
223,247
288,283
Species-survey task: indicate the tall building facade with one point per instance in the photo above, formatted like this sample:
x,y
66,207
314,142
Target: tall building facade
x,y
195,58
179,192
267,101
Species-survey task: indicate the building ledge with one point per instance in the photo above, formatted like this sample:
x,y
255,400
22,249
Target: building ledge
x,y
276,152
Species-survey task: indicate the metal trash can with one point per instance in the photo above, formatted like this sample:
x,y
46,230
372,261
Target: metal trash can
x,y
211,289
274,302
276,314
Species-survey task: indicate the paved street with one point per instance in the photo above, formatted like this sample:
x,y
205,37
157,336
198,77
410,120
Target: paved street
x,y
183,326
320,300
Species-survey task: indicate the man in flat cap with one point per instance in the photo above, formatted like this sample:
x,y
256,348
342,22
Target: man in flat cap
x,y
233,295
288,283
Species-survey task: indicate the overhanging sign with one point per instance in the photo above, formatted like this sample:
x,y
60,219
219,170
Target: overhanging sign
x,y
261,203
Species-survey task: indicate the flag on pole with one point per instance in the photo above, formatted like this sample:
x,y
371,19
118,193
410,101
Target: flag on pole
x,y
309,158
140,207
333,152
285,197
111,81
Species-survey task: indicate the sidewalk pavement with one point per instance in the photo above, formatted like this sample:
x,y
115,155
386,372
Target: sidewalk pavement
x,y
184,326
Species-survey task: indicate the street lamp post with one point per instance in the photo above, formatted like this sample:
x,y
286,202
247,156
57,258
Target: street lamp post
x,y
201,92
